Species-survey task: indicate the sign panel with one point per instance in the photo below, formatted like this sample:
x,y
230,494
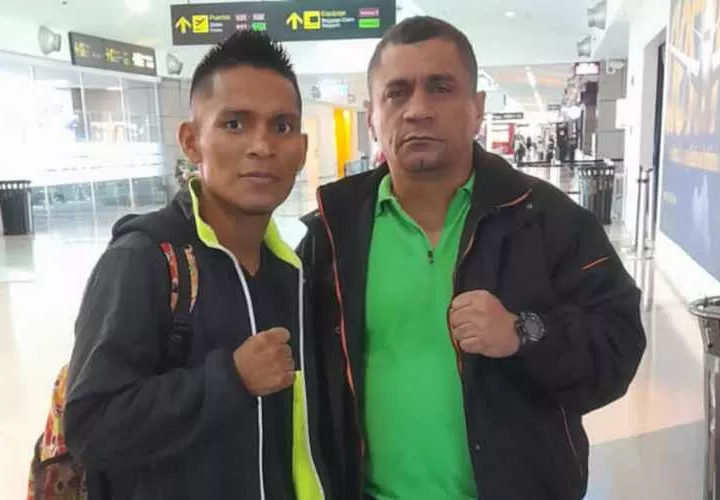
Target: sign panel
x,y
554,107
508,116
96,52
211,23
587,69
690,197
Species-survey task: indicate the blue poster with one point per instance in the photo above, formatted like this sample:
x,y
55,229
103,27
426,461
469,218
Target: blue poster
x,y
691,162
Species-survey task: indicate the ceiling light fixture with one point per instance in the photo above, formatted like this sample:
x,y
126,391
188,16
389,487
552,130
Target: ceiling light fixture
x,y
174,64
531,78
539,101
510,14
597,16
137,7
48,40
584,47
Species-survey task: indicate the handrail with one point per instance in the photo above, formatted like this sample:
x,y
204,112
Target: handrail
x,y
707,307
579,163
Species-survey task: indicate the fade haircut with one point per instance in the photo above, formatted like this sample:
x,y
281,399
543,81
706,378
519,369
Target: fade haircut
x,y
421,29
244,48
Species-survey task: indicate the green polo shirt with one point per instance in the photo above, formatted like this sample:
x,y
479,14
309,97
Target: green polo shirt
x,y
417,443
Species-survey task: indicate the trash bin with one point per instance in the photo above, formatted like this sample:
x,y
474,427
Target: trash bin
x,y
15,207
597,184
708,313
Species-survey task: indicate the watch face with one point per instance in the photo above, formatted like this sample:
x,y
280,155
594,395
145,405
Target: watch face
x,y
533,326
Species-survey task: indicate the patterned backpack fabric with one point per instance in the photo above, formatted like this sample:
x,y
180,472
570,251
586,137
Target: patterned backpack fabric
x,y
54,473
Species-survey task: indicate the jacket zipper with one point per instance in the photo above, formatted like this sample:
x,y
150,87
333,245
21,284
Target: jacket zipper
x,y
471,243
336,279
469,247
343,332
253,331
301,329
570,441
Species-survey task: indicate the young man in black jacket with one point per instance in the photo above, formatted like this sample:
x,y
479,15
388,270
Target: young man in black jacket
x,y
466,315
230,420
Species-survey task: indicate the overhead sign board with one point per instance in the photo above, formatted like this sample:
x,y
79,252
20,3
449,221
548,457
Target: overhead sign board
x,y
101,53
587,69
211,23
516,116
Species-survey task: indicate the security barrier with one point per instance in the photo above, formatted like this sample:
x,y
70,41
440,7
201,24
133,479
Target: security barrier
x,y
15,207
708,313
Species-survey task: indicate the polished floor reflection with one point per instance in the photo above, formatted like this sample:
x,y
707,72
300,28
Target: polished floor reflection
x,y
646,446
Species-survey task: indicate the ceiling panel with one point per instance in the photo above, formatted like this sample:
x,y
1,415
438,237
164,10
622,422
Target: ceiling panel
x,y
541,31
550,82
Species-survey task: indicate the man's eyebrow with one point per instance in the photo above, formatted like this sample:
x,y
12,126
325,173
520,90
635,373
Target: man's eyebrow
x,y
287,115
398,82
442,77
242,113
235,113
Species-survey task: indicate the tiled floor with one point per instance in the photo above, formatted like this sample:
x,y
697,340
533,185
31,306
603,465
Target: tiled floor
x,y
646,446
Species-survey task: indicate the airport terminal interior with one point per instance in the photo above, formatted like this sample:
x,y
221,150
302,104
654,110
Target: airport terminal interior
x,y
615,102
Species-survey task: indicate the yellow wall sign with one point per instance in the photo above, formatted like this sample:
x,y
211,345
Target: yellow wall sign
x,y
200,24
203,23
310,20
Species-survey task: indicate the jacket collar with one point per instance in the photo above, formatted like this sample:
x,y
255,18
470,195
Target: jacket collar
x,y
189,203
497,185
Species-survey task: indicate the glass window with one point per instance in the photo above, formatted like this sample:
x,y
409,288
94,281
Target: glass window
x,y
140,111
150,191
58,106
104,107
113,194
15,122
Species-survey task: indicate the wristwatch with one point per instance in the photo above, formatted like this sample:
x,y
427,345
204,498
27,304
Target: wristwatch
x,y
530,328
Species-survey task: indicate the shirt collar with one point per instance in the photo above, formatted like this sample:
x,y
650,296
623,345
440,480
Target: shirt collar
x,y
206,233
386,197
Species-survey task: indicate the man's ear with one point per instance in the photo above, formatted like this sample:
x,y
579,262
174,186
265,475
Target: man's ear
x,y
480,109
188,139
369,114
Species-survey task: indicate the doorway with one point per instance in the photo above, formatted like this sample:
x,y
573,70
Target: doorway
x,y
657,140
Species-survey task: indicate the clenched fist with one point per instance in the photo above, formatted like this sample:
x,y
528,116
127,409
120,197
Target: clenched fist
x,y
480,324
265,362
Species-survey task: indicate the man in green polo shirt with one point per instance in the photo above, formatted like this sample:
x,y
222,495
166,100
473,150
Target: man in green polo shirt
x,y
466,315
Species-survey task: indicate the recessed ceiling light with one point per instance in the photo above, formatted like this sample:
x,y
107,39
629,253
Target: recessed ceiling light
x,y
137,7
510,14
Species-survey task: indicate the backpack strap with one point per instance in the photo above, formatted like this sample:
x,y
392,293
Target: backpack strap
x,y
183,271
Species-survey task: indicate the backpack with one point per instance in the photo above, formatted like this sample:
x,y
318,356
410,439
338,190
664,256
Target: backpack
x,y
54,473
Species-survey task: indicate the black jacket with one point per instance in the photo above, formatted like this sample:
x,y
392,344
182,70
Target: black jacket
x,y
190,432
537,251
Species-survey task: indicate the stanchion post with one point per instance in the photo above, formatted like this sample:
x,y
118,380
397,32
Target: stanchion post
x,y
641,215
708,313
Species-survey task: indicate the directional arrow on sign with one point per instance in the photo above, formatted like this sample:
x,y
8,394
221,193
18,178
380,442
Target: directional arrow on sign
x,y
293,20
183,25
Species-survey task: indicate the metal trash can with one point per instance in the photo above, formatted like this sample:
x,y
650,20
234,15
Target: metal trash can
x,y
708,313
15,207
597,184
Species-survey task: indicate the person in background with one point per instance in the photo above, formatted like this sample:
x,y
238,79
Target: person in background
x,y
550,154
224,423
530,147
467,315
520,150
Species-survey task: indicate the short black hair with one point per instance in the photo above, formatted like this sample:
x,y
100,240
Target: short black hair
x,y
421,29
244,48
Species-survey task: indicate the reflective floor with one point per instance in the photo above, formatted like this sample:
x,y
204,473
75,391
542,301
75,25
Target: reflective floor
x,y
646,446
